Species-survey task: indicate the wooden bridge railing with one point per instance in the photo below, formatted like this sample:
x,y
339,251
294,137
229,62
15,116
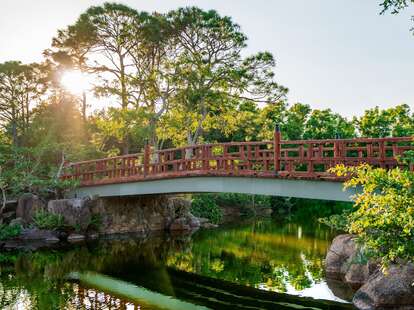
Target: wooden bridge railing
x,y
303,159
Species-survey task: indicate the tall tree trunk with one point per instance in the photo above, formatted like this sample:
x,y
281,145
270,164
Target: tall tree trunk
x,y
124,100
14,126
84,107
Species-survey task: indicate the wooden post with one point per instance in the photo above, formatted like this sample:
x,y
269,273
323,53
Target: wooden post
x,y
276,149
147,154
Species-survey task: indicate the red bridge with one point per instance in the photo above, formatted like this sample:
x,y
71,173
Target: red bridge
x,y
300,159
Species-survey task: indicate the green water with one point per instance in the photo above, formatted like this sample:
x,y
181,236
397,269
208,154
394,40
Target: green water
x,y
255,265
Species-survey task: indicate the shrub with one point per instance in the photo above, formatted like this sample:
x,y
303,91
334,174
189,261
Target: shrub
x,y
204,205
47,220
96,222
383,215
7,232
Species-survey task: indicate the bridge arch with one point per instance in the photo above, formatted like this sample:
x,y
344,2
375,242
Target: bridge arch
x,y
312,189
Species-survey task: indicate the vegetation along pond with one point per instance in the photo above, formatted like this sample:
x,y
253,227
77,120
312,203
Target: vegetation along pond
x,y
260,264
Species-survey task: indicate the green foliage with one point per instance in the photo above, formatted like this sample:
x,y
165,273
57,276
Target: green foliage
x,y
407,158
204,205
95,222
32,170
396,122
383,215
324,124
395,6
7,232
47,220
338,222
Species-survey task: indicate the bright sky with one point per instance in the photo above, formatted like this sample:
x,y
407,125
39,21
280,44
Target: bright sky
x,y
330,53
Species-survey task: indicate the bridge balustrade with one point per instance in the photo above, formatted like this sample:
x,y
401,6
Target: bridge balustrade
x,y
300,159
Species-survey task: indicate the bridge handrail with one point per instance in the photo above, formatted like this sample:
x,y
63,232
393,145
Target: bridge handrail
x,y
69,164
281,158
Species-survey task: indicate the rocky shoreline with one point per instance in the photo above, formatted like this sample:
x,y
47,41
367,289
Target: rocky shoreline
x,y
89,219
375,289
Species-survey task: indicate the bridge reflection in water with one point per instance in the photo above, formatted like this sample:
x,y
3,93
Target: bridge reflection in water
x,y
98,291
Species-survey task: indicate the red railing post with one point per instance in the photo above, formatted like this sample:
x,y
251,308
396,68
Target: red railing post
x,y
147,155
276,148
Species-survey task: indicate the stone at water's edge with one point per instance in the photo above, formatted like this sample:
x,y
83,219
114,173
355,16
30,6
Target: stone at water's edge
x,y
37,234
376,290
27,206
76,238
76,211
394,290
342,248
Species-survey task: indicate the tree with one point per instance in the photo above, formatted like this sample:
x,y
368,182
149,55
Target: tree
x,y
296,117
111,127
324,124
396,122
211,73
130,52
395,6
101,41
21,87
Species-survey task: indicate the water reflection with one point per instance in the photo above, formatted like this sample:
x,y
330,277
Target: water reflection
x,y
262,254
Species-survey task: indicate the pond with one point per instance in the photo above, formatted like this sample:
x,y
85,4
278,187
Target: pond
x,y
260,264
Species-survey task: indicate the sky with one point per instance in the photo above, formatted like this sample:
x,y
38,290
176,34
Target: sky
x,y
335,54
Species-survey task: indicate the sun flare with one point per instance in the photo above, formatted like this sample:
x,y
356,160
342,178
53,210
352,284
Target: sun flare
x,y
75,82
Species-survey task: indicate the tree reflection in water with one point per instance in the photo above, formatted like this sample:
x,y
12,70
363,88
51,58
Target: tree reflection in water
x,y
262,254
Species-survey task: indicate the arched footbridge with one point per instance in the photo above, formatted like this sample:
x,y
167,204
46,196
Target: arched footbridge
x,y
277,167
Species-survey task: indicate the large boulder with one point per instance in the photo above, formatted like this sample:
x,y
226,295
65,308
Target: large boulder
x,y
27,206
343,247
393,290
356,275
76,211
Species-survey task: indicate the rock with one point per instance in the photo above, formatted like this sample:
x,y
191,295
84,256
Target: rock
x,y
75,211
180,223
93,236
17,221
356,275
27,206
36,234
203,220
52,240
76,238
209,225
394,290
180,205
340,289
343,248
193,221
